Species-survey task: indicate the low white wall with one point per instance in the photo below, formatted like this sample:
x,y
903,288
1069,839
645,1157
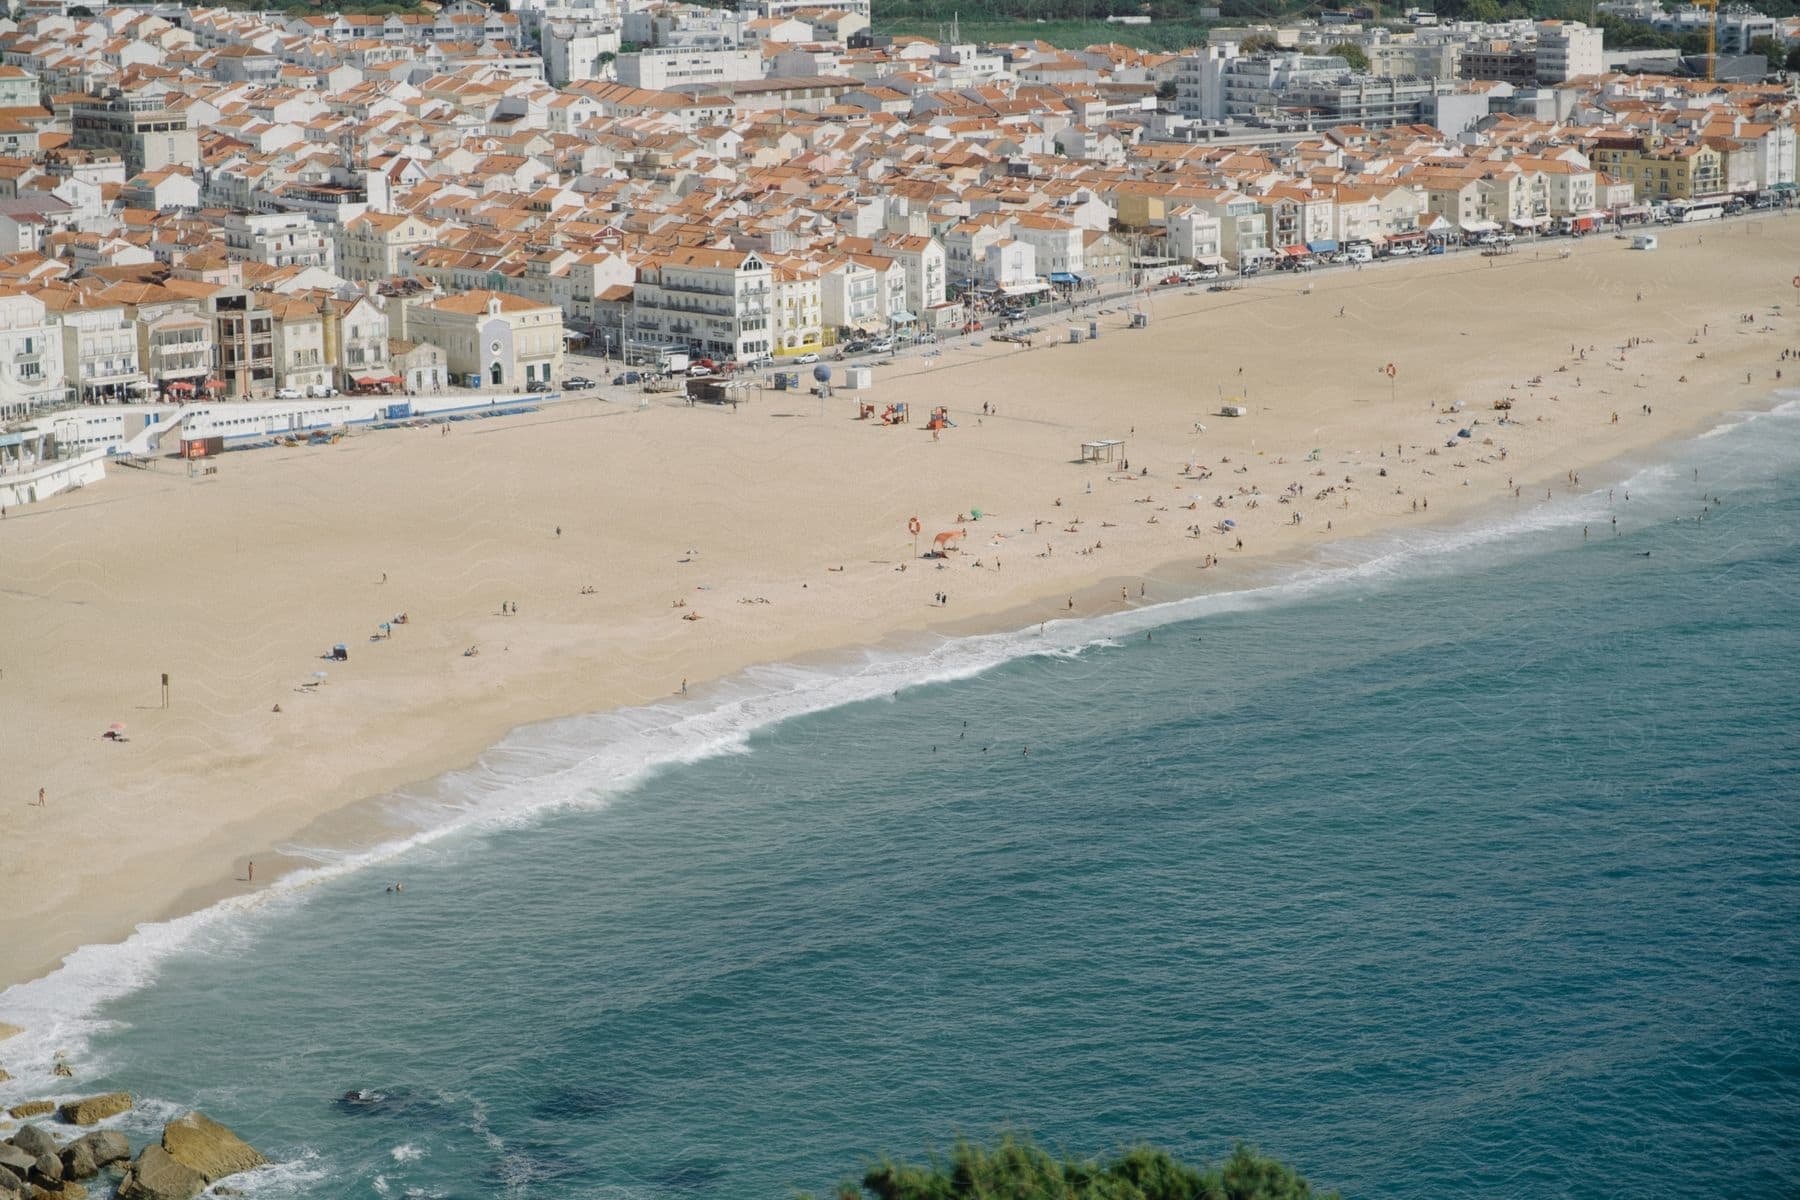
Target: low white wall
x,y
48,479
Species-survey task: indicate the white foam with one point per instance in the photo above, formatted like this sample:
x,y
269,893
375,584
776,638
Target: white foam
x,y
406,1152
589,760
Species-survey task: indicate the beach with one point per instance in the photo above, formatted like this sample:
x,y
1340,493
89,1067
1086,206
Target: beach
x,y
656,549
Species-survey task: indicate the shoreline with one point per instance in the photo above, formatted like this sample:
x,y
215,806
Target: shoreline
x,y
346,794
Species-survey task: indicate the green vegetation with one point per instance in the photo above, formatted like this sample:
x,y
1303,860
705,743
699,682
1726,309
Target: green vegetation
x,y
305,8
1351,53
1067,35
1017,1168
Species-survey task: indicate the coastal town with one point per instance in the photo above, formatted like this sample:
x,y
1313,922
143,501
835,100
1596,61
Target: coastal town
x,y
429,438
221,227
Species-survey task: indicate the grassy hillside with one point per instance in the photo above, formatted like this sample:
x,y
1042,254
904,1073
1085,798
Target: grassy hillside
x,y
1067,34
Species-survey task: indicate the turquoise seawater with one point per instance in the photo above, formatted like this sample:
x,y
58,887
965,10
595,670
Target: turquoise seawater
x,y
1460,865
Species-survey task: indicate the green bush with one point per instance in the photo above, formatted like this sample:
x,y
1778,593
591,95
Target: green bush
x,y
1016,1168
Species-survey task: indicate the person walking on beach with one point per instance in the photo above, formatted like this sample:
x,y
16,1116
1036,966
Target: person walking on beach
x,y
250,871
40,802
684,687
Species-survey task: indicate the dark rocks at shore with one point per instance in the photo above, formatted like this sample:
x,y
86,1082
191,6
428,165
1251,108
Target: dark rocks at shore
x,y
86,1156
29,1109
15,1161
201,1143
155,1175
195,1151
95,1109
34,1140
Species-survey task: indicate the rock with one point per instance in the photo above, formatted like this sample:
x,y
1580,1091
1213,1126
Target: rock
x,y
9,1185
47,1170
78,1161
31,1108
7,1031
83,1157
95,1108
63,1191
16,1160
34,1140
208,1147
156,1176
4,1077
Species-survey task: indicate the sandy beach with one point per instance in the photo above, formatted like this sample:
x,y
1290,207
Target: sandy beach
x,y
782,527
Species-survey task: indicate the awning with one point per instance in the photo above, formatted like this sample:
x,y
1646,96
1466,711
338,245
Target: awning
x,y
367,381
1323,246
214,385
901,316
1480,227
1530,222
1064,277
1295,251
1209,260
1023,289
394,380
1415,236
180,385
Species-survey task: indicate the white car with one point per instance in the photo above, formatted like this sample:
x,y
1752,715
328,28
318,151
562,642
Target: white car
x,y
808,357
288,394
881,346
320,391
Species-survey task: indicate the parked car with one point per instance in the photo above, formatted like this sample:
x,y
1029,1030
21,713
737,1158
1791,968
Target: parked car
x,y
882,346
625,377
758,361
808,357
855,347
288,394
539,385
1435,248
321,391
700,371
577,383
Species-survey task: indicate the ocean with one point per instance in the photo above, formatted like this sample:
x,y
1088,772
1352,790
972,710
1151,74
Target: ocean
x,y
1463,863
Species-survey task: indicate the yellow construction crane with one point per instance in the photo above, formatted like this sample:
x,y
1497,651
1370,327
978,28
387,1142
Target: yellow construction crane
x,y
1712,37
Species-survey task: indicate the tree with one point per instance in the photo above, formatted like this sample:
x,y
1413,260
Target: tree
x,y
1016,1166
1770,48
1165,91
1259,43
1793,58
1351,53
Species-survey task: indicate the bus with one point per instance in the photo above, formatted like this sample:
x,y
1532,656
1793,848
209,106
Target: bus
x,y
1683,211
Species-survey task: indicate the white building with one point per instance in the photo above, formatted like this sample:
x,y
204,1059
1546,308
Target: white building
x,y
1011,265
99,349
717,302
279,239
1567,50
574,50
31,365
1058,245
665,68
